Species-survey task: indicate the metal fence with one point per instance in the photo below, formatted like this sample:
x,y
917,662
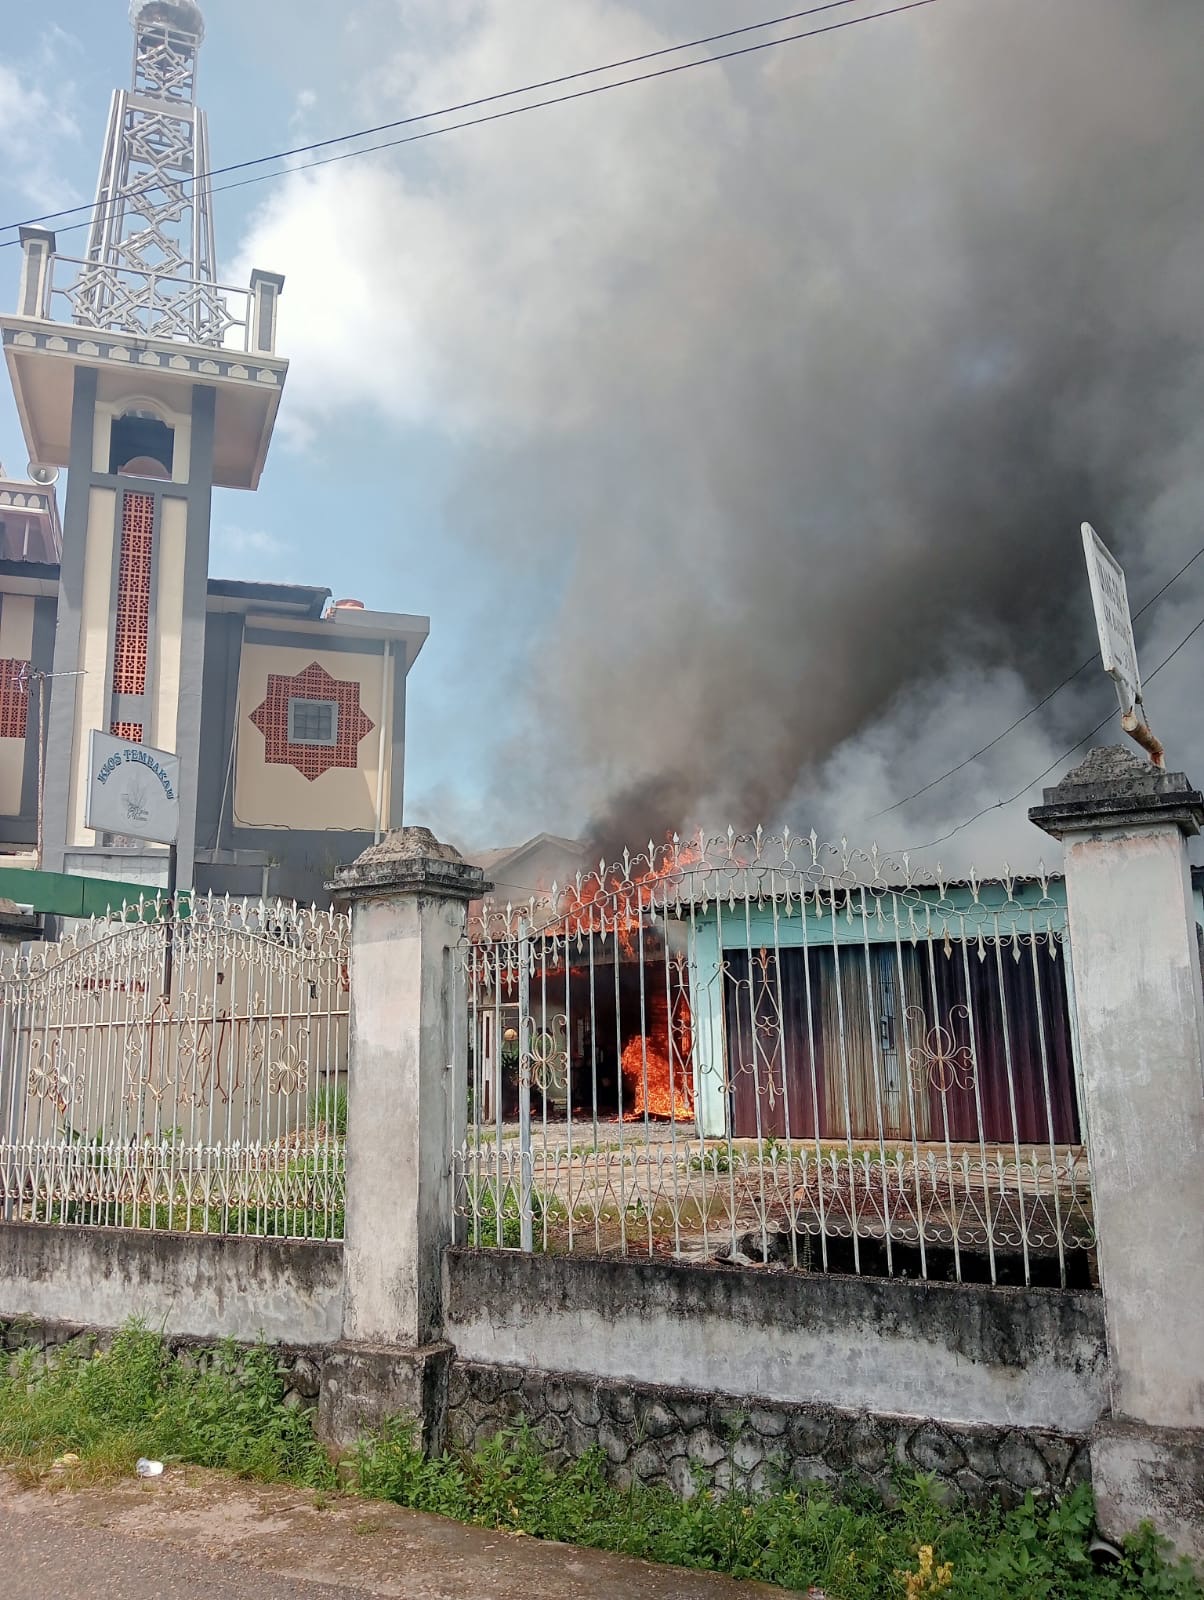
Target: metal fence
x,y
763,1049
182,1072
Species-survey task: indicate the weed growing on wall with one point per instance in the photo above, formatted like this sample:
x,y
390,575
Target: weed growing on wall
x,y
851,1547
218,1408
225,1408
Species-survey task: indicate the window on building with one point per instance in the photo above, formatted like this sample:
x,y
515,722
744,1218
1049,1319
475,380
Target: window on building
x,y
313,722
141,446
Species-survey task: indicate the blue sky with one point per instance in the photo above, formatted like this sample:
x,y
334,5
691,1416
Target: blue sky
x,y
734,430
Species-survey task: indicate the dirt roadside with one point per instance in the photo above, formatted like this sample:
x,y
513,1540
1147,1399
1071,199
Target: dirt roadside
x,y
227,1537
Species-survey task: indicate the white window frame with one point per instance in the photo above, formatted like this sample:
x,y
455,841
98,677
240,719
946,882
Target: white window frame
x,y
306,701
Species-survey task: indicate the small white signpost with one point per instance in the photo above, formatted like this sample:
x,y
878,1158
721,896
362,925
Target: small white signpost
x,y
1118,649
132,790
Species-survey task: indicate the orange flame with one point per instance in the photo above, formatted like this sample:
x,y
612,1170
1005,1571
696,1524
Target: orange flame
x,y
617,902
656,1064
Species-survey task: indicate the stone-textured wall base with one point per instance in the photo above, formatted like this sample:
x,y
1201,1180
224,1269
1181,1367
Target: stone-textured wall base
x,y
677,1437
688,1440
365,1386
300,1367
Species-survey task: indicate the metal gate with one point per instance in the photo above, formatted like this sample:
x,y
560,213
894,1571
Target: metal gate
x,y
763,1047
179,1072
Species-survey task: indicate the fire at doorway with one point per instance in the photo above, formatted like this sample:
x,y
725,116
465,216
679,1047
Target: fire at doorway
x,y
607,1038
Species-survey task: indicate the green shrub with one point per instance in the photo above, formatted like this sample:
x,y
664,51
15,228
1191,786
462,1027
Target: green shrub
x,y
328,1110
852,1547
224,1407
483,1218
220,1408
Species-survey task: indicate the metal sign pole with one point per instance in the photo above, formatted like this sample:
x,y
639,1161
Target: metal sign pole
x,y
1118,650
169,939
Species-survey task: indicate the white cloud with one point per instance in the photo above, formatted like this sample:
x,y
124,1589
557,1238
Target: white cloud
x,y
35,128
419,284
249,553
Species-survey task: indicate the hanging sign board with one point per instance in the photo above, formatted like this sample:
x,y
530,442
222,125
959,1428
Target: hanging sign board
x,y
1110,597
132,790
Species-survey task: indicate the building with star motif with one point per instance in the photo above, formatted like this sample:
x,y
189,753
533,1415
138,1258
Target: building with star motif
x,y
151,384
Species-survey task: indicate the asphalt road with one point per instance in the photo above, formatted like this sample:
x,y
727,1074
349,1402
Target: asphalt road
x,y
195,1535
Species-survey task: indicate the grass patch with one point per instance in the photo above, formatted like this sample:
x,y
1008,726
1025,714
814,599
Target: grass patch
x,y
483,1226
224,1408
220,1408
852,1547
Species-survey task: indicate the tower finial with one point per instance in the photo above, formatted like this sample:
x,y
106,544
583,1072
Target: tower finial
x,y
182,15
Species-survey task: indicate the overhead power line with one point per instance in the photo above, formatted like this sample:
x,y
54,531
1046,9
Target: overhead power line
x,y
499,116
1033,709
463,105
998,805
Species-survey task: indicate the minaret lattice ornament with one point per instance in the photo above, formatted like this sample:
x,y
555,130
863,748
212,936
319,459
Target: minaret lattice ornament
x,y
150,260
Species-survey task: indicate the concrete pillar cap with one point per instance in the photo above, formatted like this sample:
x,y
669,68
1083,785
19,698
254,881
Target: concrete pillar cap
x,y
1113,789
410,861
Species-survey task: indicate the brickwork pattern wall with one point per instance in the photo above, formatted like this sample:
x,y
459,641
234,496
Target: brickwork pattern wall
x,y
14,699
690,1440
132,631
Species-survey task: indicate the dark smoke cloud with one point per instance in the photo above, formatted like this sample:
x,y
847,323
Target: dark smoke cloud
x,y
779,392
944,305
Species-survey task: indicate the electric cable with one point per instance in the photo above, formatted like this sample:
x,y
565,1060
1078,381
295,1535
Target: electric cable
x,y
1044,701
1066,754
496,116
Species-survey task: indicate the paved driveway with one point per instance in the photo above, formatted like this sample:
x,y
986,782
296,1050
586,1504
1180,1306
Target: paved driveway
x,y
194,1535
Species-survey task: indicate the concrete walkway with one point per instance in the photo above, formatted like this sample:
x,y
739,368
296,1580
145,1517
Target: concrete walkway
x,y
194,1535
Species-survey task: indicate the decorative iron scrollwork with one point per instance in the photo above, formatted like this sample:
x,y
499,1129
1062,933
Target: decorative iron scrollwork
x,y
938,1059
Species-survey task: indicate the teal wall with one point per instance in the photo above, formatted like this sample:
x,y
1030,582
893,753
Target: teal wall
x,y
865,919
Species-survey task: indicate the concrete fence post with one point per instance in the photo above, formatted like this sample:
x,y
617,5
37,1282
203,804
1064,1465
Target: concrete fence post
x,y
409,896
1140,1011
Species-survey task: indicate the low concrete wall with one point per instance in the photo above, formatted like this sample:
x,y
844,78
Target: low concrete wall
x,y
967,1354
200,1285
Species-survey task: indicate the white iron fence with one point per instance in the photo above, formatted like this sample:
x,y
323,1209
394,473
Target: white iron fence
x,y
184,1073
771,1049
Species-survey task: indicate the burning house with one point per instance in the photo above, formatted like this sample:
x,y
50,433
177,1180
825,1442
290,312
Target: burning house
x,y
741,998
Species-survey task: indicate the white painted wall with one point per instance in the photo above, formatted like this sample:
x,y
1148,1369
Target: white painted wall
x,y
962,1353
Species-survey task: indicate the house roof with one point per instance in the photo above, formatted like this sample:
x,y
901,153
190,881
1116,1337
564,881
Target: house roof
x,y
302,598
281,605
29,577
494,863
507,855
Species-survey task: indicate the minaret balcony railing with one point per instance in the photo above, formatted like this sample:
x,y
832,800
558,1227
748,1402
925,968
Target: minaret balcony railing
x,y
147,304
